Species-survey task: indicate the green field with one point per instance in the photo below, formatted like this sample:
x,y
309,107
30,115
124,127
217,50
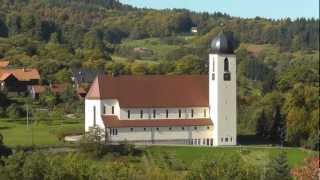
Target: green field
x,y
253,155
16,133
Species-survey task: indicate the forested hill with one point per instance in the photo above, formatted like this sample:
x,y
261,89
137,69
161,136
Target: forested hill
x,y
278,60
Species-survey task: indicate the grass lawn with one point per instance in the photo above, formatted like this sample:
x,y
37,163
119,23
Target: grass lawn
x,y
253,155
16,133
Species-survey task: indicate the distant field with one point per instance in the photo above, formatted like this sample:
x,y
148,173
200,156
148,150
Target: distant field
x,y
16,133
253,155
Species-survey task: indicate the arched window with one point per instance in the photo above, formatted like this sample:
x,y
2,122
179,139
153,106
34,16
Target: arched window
x,y
226,65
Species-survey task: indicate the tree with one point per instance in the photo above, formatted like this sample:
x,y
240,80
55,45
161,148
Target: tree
x,y
278,128
278,168
4,150
94,142
262,125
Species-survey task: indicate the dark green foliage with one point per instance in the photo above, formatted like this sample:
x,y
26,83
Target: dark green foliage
x,y
4,150
262,125
278,168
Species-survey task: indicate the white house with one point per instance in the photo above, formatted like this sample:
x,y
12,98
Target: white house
x,y
169,109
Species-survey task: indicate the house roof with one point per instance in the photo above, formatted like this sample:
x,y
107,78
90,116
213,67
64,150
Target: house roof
x,y
21,74
38,88
114,122
153,90
58,88
5,75
3,64
85,75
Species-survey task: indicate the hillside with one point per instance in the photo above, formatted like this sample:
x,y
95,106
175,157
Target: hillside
x,y
278,60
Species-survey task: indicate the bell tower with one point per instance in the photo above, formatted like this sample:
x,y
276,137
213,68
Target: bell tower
x,y
223,90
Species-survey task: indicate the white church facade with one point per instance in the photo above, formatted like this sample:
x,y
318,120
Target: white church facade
x,y
169,109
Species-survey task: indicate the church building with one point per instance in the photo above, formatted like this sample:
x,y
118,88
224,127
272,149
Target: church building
x,y
199,110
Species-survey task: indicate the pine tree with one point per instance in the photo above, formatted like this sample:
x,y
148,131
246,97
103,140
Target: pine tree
x,y
262,126
278,168
278,128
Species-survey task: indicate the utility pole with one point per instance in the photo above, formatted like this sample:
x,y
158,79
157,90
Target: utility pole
x,y
27,116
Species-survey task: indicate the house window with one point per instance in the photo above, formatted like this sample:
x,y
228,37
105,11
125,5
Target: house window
x,y
226,65
131,129
179,113
141,114
94,115
167,113
129,113
205,113
112,110
192,112
154,113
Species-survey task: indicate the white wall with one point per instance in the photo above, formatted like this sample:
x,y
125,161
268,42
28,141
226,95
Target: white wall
x,y
89,114
198,112
164,133
222,99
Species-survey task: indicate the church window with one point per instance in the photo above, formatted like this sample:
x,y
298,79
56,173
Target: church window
x,y
211,142
167,113
112,110
204,142
129,114
208,127
231,139
179,113
170,128
141,114
195,128
131,129
104,109
205,113
221,139
226,65
182,128
94,115
154,113
226,139
157,129
116,132
192,112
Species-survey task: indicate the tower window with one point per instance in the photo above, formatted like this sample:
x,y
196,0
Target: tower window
x,y
226,65
141,114
94,116
179,113
112,110
154,113
167,113
129,113
192,112
213,66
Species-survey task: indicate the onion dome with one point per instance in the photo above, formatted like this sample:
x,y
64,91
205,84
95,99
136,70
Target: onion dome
x,y
222,44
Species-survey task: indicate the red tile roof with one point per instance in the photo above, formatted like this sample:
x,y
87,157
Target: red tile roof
x,y
58,88
153,90
114,122
21,74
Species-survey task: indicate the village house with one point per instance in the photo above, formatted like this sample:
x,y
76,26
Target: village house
x,y
169,109
18,80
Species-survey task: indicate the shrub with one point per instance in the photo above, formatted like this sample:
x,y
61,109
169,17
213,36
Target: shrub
x,y
14,111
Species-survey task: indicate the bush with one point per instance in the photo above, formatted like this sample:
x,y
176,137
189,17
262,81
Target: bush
x,y
15,111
